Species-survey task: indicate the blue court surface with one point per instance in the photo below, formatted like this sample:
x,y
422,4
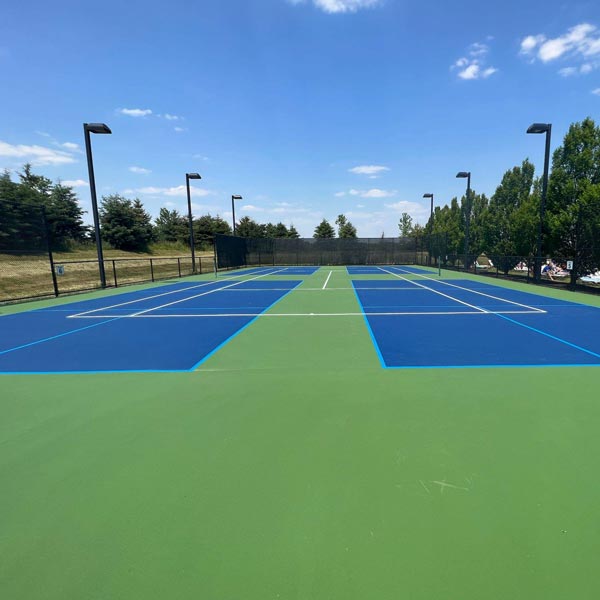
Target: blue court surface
x,y
385,270
112,334
279,271
429,322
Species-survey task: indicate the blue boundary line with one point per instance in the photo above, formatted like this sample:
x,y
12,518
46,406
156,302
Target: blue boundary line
x,y
549,335
233,335
133,371
54,337
490,366
373,338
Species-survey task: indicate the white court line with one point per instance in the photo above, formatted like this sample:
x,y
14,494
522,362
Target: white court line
x,y
192,287
141,312
460,287
369,314
327,280
435,291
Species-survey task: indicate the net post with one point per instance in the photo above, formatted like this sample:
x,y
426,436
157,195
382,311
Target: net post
x,y
151,270
114,272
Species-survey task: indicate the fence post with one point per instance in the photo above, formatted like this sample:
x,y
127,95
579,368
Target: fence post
x,y
115,273
200,265
152,270
179,266
50,256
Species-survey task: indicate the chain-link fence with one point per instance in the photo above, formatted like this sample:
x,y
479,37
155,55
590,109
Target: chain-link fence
x,y
29,267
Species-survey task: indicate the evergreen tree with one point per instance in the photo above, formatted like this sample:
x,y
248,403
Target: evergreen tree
x,y
405,225
345,228
170,226
324,230
248,227
293,232
125,223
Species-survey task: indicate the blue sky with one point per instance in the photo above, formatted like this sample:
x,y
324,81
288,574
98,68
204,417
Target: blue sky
x,y
305,108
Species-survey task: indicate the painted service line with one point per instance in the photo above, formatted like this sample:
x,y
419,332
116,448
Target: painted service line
x,y
327,280
141,312
368,314
193,287
435,291
459,287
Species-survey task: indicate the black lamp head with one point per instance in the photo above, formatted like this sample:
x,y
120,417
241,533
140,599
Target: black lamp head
x,y
193,176
236,197
539,128
427,195
463,174
97,128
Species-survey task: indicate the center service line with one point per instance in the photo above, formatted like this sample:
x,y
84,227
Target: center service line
x,y
327,280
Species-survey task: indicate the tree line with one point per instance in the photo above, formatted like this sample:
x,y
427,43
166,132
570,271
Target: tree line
x,y
505,224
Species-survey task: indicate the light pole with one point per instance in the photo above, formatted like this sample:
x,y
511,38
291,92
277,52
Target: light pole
x,y
87,129
467,175
431,221
233,199
189,176
547,129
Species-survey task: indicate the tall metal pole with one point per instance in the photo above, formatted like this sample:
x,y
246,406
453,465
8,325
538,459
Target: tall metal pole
x,y
88,151
191,222
467,221
233,211
431,212
540,244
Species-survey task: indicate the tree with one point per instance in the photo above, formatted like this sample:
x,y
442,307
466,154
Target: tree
x,y
248,227
573,207
125,223
345,228
170,226
293,232
505,215
324,230
206,227
405,225
65,217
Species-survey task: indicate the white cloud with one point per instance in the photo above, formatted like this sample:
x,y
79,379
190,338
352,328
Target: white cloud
x,y
368,170
71,147
340,6
135,112
568,72
252,208
36,155
372,193
340,194
169,117
531,42
474,66
471,72
75,183
596,91
376,193
179,129
140,170
579,43
179,190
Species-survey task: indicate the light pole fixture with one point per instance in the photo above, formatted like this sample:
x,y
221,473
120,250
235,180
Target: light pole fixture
x,y
87,129
429,196
467,175
189,176
547,129
233,199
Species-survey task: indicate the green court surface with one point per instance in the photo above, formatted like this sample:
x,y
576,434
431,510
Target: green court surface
x,y
291,465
